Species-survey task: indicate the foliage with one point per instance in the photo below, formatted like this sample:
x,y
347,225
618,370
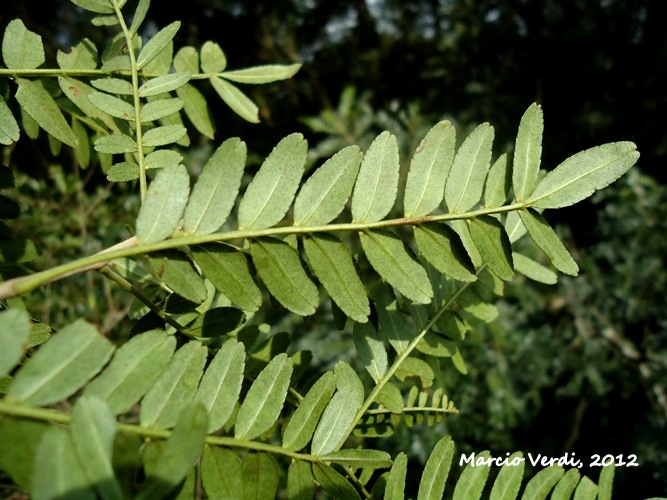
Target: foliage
x,y
202,380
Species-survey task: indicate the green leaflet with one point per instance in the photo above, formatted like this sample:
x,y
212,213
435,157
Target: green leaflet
x,y
371,350
165,201
78,92
93,429
216,188
472,479
221,473
41,107
173,391
161,65
300,428
21,48
542,482
82,56
157,44
179,453
162,158
396,479
497,187
348,382
605,483
112,105
58,472
527,152
133,370
262,405
471,164
333,483
508,481
16,251
164,83
265,351
566,485
325,193
161,136
228,270
360,459
280,268
236,100
176,271
123,172
262,74
442,248
215,322
586,490
300,482
83,150
9,129
13,338
334,424
436,470
425,185
139,16
213,58
156,110
548,241
391,260
62,365
115,144
493,244
20,438
220,386
272,190
415,367
534,270
332,263
260,475
186,60
377,183
196,109
390,396
396,326
97,6
580,175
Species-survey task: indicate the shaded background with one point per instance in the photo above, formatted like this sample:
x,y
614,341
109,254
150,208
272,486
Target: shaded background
x,y
579,367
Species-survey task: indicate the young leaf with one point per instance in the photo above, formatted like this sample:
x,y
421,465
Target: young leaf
x,y
93,429
325,193
333,483
196,109
396,479
300,481
264,401
115,144
161,108
497,187
542,482
228,270
134,369
179,453
279,267
466,179
236,100
534,270
430,166
58,472
358,459
41,107
112,105
493,245
442,248
262,74
370,348
580,175
216,189
21,48
332,263
436,470
157,44
260,475
161,136
177,272
377,182
221,473
527,152
547,239
271,192
62,366
300,428
472,480
164,83
566,485
165,201
389,257
213,59
220,386
174,389
334,424
13,338
9,129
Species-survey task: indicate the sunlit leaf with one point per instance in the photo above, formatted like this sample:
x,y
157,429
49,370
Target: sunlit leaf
x,y
186,60
161,136
97,6
155,110
348,382
493,245
112,105
262,74
472,479
162,84
566,485
82,56
235,99
9,129
157,44
442,248
542,482
22,48
497,187
139,16
396,479
527,152
534,270
196,109
605,482
213,59
436,470
357,458
508,481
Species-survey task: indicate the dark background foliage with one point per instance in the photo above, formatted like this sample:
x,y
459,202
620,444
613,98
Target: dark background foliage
x,y
579,367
